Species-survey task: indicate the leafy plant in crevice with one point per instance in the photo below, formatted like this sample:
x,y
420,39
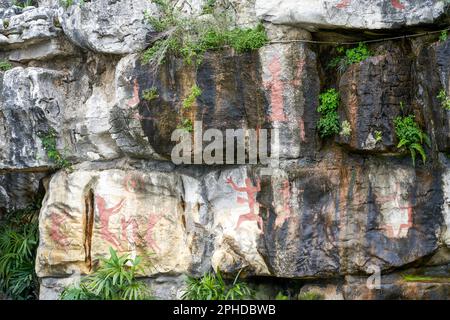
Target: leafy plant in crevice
x,y
150,94
186,123
6,23
213,287
67,3
193,95
346,130
115,279
350,56
190,37
411,137
445,100
209,6
5,65
443,36
24,3
19,237
48,140
328,124
378,136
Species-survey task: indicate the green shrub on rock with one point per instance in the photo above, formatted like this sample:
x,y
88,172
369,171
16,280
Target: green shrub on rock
x,y
328,124
411,137
19,238
115,279
213,287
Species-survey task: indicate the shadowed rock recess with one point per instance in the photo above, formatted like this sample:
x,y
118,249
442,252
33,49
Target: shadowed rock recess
x,y
334,212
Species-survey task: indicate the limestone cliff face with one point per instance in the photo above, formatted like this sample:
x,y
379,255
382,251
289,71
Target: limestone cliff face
x,y
331,214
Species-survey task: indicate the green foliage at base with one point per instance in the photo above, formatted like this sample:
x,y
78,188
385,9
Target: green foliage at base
x,y
328,124
411,137
419,278
311,296
213,287
48,140
191,37
115,279
281,296
5,65
18,244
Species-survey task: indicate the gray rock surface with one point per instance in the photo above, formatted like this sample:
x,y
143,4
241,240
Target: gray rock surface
x,y
106,26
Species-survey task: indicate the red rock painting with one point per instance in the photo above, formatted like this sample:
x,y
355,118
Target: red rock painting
x,y
251,192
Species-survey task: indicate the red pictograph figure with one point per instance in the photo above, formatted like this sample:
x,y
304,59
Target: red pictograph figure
x,y
56,234
134,101
151,223
105,214
276,87
124,223
395,229
251,192
285,212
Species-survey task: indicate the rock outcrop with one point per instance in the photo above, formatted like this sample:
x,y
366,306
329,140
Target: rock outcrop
x,y
332,214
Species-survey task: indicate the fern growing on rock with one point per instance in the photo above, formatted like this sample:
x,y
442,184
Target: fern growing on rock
x,y
115,279
411,137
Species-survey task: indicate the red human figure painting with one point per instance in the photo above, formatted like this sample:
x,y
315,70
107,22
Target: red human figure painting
x,y
57,223
251,192
105,214
151,223
395,230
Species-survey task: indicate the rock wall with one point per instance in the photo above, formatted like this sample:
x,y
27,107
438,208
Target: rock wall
x,y
331,214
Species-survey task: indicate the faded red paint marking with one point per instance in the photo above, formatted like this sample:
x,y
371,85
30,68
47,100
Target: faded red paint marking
x,y
105,214
57,222
297,81
276,87
286,210
124,223
343,4
301,127
251,192
133,183
397,4
134,101
390,228
151,223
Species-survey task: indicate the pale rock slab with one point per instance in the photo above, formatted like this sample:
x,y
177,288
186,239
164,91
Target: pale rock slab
x,y
119,29
135,212
351,14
